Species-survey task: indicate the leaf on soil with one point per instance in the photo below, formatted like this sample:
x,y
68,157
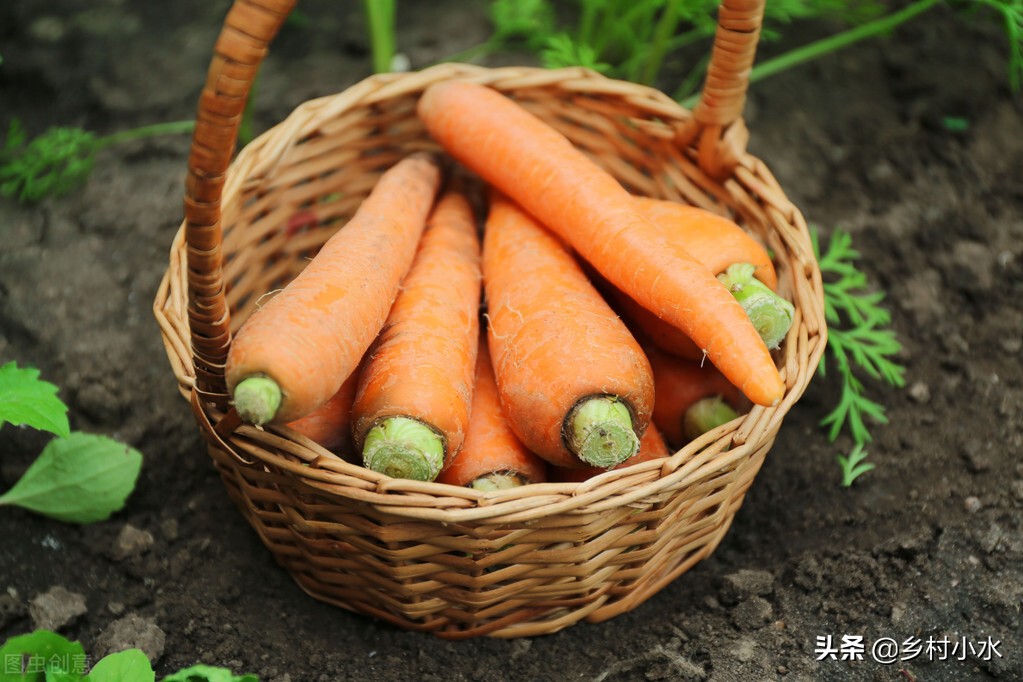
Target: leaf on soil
x,y
130,665
206,673
25,399
83,478
42,655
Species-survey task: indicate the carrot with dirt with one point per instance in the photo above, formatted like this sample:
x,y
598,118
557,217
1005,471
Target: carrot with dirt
x,y
330,425
574,384
651,446
735,257
492,457
568,193
691,397
294,353
411,410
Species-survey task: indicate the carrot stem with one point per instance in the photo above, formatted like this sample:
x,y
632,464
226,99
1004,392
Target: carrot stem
x,y
497,481
404,448
705,415
600,432
256,399
770,314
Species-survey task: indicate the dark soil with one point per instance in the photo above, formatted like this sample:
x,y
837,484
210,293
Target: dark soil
x,y
928,545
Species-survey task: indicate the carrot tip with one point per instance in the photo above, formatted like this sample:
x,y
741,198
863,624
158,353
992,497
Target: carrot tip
x,y
497,481
600,432
770,314
705,415
404,448
257,399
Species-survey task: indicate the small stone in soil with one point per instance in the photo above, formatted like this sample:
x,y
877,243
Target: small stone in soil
x,y
920,393
130,542
752,614
736,587
56,608
972,504
132,632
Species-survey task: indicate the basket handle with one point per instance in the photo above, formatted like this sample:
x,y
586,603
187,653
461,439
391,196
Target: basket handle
x,y
717,127
249,27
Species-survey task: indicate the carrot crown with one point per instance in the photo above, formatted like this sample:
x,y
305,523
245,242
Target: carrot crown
x,y
770,314
705,415
404,448
257,399
600,432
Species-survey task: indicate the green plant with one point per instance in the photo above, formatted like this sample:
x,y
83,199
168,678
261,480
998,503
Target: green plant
x,y
859,337
78,477
60,159
853,466
44,656
380,19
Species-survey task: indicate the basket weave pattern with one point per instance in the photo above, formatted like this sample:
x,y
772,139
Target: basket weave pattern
x,y
426,556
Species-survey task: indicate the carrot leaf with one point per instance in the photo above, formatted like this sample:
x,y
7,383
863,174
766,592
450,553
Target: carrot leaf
x,y
853,466
859,340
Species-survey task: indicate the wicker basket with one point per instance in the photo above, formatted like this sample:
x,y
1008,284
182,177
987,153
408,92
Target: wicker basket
x,y
427,556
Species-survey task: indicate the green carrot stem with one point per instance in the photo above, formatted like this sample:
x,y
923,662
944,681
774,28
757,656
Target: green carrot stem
x,y
705,415
404,448
497,481
770,314
168,128
380,14
599,431
839,40
831,44
257,399
659,43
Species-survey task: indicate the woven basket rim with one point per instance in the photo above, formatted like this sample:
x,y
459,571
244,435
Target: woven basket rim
x,y
328,474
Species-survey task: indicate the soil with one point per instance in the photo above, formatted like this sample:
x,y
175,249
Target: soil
x,y
927,545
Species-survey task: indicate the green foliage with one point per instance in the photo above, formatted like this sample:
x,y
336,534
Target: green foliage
x,y
853,466
205,673
49,165
61,159
79,477
131,665
82,478
45,656
858,339
1011,15
27,400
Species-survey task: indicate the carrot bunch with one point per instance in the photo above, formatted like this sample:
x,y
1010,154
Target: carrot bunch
x,y
613,326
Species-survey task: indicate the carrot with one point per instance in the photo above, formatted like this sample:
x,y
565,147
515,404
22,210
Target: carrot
x,y
567,192
651,446
574,384
411,410
330,424
681,384
292,355
492,457
731,254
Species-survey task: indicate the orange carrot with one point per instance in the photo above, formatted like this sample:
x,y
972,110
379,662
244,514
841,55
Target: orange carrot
x,y
491,457
411,411
651,446
574,384
719,244
680,384
567,192
330,425
292,355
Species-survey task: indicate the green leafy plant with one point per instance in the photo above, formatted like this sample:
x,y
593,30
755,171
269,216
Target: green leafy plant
x,y
44,656
78,477
380,18
60,159
853,465
859,338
